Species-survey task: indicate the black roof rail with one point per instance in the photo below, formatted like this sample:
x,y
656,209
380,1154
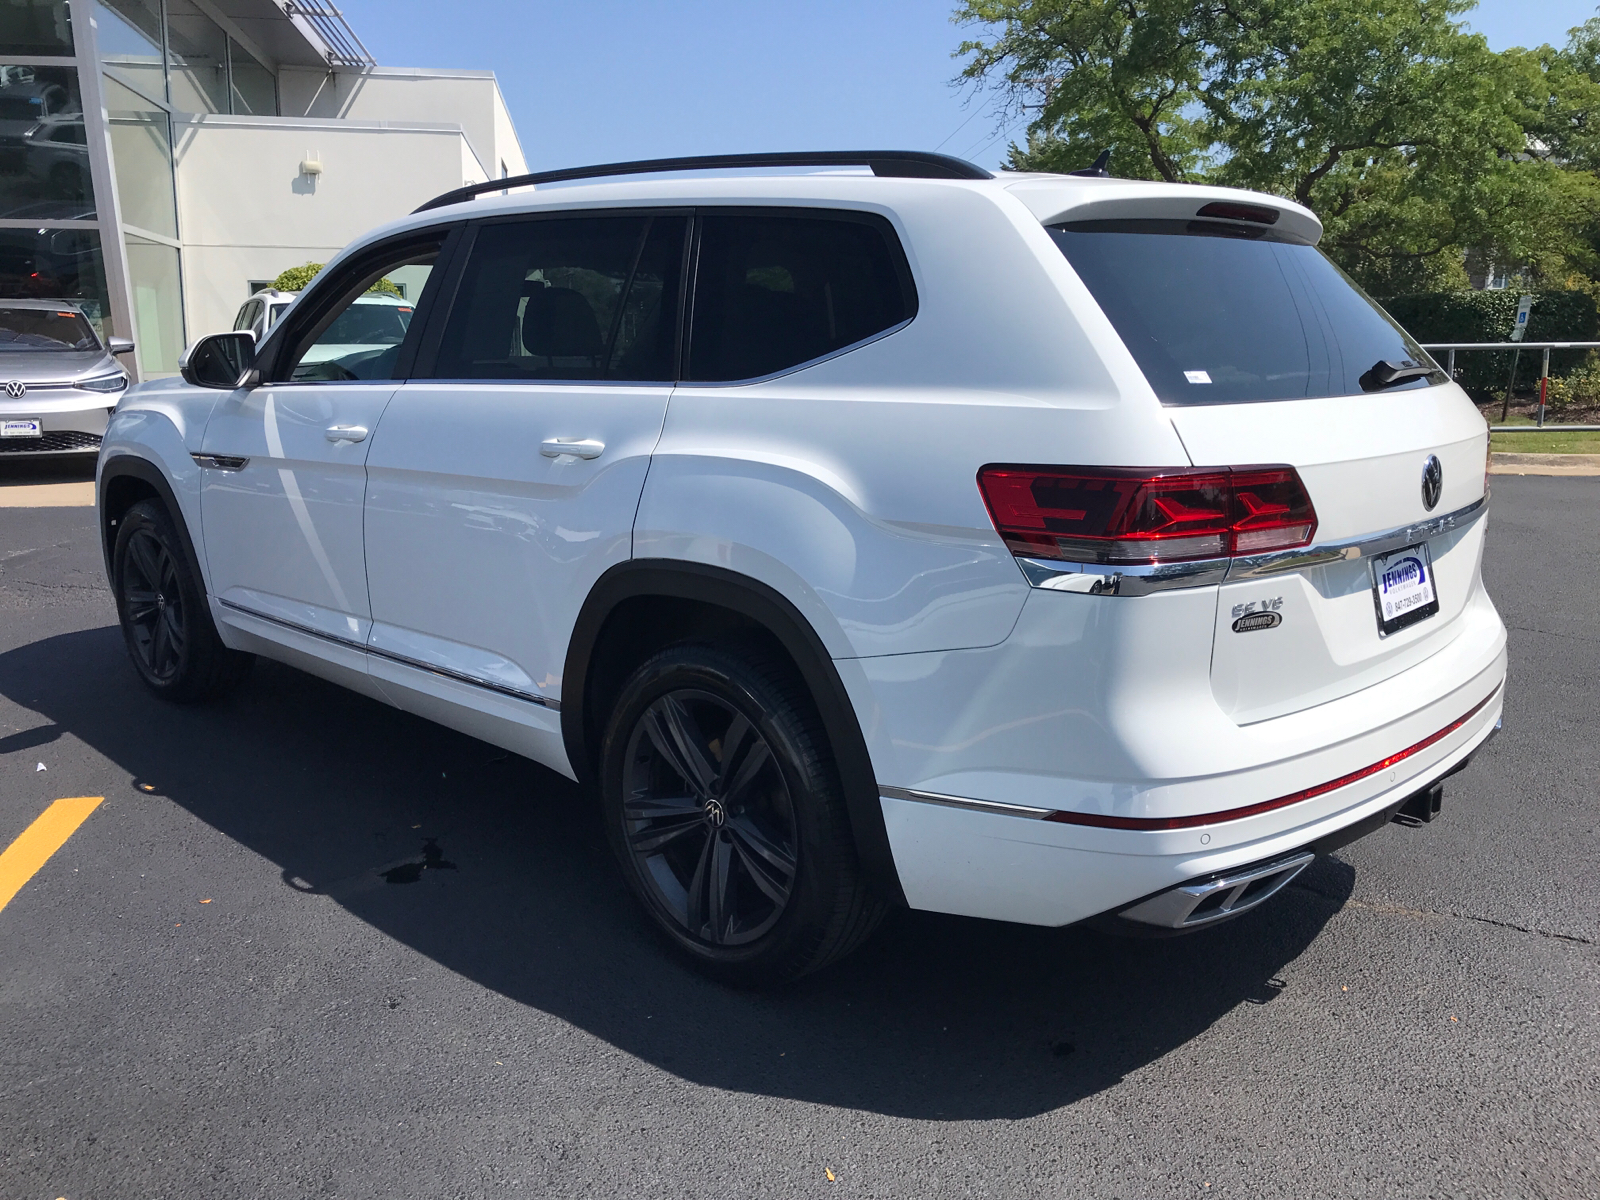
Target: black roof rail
x,y
913,164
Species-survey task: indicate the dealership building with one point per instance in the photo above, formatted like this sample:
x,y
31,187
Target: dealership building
x,y
162,159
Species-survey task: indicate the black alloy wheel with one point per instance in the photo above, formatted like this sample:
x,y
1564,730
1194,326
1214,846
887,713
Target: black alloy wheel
x,y
710,822
724,808
168,629
152,606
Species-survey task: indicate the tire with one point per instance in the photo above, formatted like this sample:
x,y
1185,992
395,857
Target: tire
x,y
166,622
724,808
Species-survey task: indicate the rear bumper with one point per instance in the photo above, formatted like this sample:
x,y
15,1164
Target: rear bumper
x,y
1131,738
989,864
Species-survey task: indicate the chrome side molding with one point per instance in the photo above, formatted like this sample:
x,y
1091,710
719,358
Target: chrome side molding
x,y
432,668
988,806
1100,579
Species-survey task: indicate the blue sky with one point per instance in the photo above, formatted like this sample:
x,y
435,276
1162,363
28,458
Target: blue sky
x,y
604,80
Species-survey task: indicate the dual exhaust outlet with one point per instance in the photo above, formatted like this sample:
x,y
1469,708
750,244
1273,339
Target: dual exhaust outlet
x,y
1210,899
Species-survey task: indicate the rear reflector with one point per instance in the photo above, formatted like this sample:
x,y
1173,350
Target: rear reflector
x,y
1115,515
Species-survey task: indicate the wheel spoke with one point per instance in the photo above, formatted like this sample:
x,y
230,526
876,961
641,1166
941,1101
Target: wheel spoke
x,y
759,844
173,619
749,765
762,875
667,829
721,913
673,730
141,604
656,808
160,648
696,897
144,560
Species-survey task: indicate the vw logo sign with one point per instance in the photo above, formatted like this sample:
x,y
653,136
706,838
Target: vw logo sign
x,y
16,389
1432,482
715,813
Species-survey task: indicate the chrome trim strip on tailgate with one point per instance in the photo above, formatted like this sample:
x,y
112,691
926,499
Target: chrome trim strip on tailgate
x,y
403,660
1397,538
1098,579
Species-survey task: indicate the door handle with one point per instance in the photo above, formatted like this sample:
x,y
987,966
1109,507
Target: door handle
x,y
347,433
579,447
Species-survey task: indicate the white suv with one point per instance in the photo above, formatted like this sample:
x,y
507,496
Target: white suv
x,y
1029,547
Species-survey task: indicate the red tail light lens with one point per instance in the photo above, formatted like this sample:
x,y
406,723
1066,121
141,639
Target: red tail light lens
x,y
1109,515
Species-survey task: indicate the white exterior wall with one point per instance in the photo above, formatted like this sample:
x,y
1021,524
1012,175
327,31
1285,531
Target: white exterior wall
x,y
470,99
247,212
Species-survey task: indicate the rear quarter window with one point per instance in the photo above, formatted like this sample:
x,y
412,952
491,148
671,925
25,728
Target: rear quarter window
x,y
775,290
1218,314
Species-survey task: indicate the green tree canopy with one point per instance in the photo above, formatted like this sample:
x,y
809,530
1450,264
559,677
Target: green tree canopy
x,y
297,279
1408,136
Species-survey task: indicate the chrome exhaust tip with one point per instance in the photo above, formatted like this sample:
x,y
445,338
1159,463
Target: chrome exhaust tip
x,y
1205,901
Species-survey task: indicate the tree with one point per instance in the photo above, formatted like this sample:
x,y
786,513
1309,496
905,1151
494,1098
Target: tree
x,y
297,279
1408,136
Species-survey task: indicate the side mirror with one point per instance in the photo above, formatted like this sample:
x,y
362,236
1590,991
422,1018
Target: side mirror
x,y
223,360
119,345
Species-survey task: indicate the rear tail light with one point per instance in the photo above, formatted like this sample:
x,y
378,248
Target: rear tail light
x,y
1113,515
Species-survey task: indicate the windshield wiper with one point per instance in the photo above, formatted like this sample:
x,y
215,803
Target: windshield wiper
x,y
1385,374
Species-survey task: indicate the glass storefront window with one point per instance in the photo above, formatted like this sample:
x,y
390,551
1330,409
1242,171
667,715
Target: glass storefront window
x,y
255,89
44,151
141,152
129,35
198,51
55,264
35,28
157,305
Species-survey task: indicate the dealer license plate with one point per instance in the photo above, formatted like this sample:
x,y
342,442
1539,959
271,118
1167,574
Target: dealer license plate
x,y
1402,588
29,428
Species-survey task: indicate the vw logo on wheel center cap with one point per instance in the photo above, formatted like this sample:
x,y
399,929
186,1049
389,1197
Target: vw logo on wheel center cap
x,y
715,813
1432,482
16,389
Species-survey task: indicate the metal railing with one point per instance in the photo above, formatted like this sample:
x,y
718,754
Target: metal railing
x,y
345,49
1544,376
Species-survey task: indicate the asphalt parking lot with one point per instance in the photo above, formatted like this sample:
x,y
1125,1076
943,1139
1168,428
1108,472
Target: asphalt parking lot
x,y
311,946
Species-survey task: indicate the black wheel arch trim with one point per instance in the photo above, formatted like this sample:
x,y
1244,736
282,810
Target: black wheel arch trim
x,y
120,466
775,613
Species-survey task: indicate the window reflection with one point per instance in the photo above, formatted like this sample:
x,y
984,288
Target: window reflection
x,y
157,305
55,264
44,153
129,34
141,151
35,27
255,89
198,51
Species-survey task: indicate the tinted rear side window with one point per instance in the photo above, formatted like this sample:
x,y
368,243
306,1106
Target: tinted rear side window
x,y
1217,315
567,298
772,292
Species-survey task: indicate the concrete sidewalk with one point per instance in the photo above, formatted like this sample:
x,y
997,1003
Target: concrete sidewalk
x,y
1501,463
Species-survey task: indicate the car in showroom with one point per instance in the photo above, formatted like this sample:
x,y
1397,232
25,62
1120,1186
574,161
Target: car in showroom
x,y
58,381
869,530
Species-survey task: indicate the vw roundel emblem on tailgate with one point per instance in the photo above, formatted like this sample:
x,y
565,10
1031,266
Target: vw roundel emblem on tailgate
x,y
16,389
1432,482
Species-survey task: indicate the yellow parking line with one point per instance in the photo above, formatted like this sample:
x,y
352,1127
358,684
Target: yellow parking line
x,y
23,858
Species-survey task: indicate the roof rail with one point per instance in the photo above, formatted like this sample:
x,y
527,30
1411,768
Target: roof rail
x,y
915,164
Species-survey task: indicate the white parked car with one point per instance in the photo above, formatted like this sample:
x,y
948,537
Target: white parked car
x,y
1028,547
364,338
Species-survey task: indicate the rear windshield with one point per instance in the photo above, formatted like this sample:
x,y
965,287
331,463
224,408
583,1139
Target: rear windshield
x,y
45,329
1216,314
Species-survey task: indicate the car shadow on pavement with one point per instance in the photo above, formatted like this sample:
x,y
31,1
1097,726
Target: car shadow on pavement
x,y
498,870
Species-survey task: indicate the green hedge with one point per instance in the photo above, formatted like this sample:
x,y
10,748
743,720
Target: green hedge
x,y
1490,317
